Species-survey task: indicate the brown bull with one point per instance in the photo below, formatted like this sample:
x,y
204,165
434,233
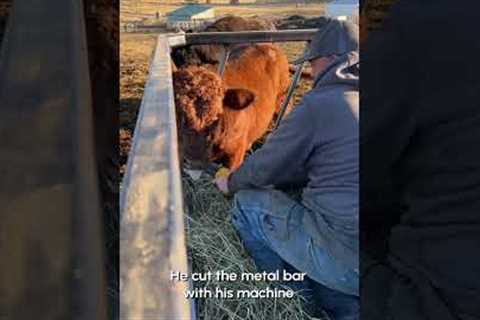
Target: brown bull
x,y
201,54
220,119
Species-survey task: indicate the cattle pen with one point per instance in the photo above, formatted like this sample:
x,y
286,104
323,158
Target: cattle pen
x,y
152,237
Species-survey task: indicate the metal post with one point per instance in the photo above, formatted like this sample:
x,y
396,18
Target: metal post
x,y
223,60
291,90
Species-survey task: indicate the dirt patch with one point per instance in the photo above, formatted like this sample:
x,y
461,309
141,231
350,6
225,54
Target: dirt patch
x,y
135,54
132,10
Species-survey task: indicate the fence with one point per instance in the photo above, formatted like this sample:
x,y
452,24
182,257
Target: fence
x,y
152,238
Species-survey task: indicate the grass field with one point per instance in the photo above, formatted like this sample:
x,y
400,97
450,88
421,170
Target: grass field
x,y
212,241
147,10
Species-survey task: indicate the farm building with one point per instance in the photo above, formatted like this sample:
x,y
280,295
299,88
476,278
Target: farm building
x,y
342,9
190,16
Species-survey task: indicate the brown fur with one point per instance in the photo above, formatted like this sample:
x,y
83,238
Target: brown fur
x,y
239,108
236,23
212,53
199,93
201,54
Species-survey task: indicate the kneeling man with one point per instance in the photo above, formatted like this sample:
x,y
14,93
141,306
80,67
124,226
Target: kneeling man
x,y
314,148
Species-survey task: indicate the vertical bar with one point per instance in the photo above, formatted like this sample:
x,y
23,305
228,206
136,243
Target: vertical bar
x,y
223,60
291,90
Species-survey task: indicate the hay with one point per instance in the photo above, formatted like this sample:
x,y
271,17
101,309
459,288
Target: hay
x,y
214,245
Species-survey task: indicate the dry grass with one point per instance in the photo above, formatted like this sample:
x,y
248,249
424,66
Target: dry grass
x,y
135,53
146,10
212,241
214,245
294,50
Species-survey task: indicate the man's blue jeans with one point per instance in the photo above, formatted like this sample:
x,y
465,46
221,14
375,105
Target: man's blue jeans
x,y
270,225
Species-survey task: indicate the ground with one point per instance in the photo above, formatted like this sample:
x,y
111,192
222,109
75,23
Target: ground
x,y
135,10
212,241
135,54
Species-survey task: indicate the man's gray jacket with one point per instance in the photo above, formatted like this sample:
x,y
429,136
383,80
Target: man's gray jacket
x,y
316,147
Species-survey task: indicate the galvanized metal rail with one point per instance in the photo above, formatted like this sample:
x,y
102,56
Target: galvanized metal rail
x,y
152,237
152,240
242,37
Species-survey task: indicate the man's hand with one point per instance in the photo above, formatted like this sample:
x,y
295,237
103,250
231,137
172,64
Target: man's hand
x,y
221,180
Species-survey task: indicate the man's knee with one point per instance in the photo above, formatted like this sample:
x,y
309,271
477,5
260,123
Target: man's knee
x,y
242,197
248,208
250,200
243,206
258,198
248,197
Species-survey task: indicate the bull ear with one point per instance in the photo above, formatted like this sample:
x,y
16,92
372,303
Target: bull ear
x,y
238,99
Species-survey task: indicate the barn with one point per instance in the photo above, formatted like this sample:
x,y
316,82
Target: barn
x,y
342,9
190,16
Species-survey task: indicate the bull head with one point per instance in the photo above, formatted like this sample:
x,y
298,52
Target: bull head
x,y
200,100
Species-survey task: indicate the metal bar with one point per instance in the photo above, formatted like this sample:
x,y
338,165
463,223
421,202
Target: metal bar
x,y
293,86
176,40
247,36
223,60
152,239
51,245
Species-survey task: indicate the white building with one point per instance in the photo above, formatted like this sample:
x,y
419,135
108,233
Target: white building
x,y
190,16
342,9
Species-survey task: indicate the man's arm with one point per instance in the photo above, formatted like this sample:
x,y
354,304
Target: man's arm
x,y
281,160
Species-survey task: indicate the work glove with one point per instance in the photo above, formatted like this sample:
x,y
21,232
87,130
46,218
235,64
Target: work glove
x,y
221,180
